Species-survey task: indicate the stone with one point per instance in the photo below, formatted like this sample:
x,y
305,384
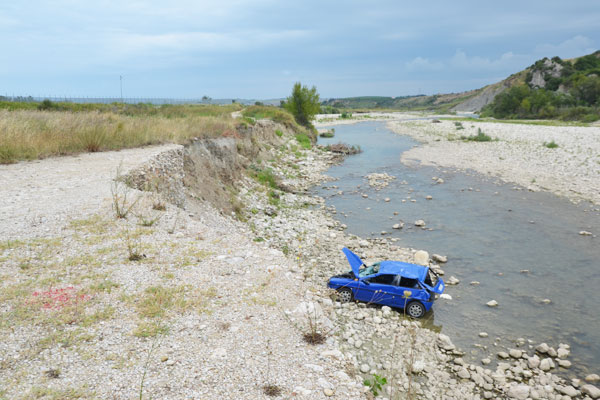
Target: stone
x,y
568,391
463,373
440,180
421,257
445,343
364,368
328,392
542,348
492,303
387,199
365,195
420,222
520,392
585,233
429,197
564,363
547,364
474,283
591,391
514,353
533,362
562,353
397,226
486,361
503,355
445,296
452,280
483,334
592,378
552,352
439,258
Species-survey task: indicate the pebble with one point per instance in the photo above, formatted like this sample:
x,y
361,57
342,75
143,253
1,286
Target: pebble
x,y
420,223
492,303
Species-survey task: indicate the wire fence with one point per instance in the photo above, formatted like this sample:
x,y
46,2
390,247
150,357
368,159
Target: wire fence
x,y
127,100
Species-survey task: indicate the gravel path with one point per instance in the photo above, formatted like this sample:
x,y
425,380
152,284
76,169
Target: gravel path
x,y
206,313
38,195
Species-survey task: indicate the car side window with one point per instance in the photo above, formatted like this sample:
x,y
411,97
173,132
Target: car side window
x,y
407,282
383,279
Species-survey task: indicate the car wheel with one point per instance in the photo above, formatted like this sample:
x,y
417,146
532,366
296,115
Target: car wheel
x,y
415,309
345,295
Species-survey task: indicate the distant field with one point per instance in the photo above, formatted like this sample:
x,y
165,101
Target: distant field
x,y
31,131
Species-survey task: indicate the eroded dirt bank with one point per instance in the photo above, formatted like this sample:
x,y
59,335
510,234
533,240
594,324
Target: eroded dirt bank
x,y
188,302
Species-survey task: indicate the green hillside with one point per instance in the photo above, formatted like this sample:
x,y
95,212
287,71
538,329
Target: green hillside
x,y
553,88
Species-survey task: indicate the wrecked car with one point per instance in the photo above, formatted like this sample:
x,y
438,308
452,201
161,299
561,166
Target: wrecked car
x,y
409,287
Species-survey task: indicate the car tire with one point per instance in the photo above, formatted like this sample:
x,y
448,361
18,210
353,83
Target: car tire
x,y
345,295
415,309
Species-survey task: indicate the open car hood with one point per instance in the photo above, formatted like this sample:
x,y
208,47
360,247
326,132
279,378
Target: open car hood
x,y
354,261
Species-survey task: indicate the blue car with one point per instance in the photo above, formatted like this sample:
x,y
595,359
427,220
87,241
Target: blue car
x,y
410,287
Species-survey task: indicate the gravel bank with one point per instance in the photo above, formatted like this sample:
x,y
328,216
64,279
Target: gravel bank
x,y
214,308
519,154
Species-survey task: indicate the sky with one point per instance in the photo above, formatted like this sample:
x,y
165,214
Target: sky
x,y
257,49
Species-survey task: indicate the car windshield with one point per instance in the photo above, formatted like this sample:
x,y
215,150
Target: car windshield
x,y
370,270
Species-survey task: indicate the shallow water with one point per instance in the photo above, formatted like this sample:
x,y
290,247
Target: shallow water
x,y
523,247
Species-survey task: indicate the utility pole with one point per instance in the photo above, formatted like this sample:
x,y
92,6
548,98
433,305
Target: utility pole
x,y
121,81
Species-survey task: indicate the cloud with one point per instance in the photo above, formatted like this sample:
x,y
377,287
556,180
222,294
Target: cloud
x,y
177,42
575,47
420,64
462,61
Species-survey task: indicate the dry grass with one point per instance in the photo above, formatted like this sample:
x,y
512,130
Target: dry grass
x,y
28,135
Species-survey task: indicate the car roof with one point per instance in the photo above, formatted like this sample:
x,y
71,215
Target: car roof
x,y
407,270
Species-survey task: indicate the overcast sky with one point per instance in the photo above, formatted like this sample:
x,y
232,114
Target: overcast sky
x,y
259,48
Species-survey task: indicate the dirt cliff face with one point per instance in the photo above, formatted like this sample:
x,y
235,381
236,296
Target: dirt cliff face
x,y
212,167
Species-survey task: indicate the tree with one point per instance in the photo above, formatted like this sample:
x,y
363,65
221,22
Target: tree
x,y
303,104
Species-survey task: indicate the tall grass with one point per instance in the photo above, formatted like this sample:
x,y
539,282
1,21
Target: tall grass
x,y
28,134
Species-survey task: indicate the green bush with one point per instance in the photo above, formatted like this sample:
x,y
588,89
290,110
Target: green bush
x,y
551,145
303,104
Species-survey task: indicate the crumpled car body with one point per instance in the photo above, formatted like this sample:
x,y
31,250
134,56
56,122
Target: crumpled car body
x,y
410,287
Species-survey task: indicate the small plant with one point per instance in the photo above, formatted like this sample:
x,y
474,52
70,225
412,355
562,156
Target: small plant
x,y
159,205
459,126
120,191
155,344
480,137
269,388
145,220
346,115
376,384
133,248
53,373
279,133
551,145
304,141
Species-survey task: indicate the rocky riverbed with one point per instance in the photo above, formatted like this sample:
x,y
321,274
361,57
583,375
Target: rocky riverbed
x,y
560,159
197,304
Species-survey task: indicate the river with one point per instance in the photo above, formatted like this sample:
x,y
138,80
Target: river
x,y
522,247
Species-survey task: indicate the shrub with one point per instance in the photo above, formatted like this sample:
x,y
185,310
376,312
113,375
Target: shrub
x,y
346,115
303,104
551,145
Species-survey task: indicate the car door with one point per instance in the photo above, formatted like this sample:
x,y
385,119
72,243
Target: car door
x,y
378,289
404,290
